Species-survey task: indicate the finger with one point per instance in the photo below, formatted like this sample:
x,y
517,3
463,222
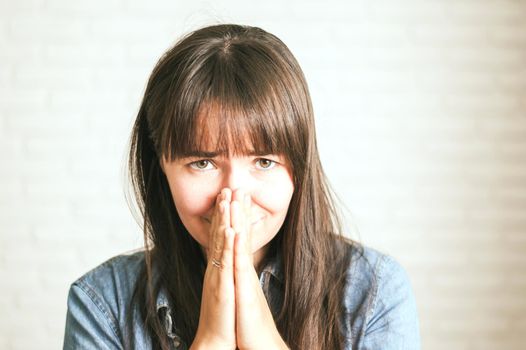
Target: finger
x,y
219,197
238,194
243,219
248,215
240,218
223,223
227,258
227,192
226,213
221,220
236,216
242,267
213,225
244,223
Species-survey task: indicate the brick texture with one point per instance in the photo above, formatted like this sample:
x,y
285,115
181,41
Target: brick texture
x,y
421,121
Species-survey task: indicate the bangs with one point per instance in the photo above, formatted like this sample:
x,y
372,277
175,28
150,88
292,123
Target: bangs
x,y
226,130
231,108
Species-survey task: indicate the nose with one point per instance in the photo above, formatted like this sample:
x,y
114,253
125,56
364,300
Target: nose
x,y
236,177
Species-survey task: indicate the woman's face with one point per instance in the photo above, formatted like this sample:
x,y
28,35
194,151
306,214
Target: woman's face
x,y
196,181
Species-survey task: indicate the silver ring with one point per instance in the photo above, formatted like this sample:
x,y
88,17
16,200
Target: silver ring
x,y
216,263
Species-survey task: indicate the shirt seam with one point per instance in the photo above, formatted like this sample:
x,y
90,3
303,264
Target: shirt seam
x,y
377,278
92,295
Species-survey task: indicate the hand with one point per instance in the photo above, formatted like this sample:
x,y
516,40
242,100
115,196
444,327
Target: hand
x,y
255,327
216,328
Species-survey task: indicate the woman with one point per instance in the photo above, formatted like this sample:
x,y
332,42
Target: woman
x,y
243,245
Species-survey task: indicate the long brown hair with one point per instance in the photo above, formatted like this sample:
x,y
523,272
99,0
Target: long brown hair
x,y
244,80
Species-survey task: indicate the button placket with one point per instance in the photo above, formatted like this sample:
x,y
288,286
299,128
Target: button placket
x,y
169,326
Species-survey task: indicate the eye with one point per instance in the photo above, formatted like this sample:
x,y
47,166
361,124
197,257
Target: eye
x,y
202,164
265,163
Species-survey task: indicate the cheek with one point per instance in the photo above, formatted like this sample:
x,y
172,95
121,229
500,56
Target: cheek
x,y
275,194
191,197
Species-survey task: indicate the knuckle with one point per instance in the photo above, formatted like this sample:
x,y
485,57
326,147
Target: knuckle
x,y
218,246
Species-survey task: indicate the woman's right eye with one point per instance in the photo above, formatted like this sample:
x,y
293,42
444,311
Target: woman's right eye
x,y
202,164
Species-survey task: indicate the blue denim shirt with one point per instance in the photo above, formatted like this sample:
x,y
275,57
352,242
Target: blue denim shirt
x,y
379,305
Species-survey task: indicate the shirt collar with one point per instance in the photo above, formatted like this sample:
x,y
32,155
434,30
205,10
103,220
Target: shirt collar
x,y
274,267
162,299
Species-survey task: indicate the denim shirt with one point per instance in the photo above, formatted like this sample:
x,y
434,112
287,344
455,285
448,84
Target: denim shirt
x,y
379,305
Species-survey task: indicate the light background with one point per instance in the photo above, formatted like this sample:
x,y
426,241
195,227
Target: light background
x,y
420,109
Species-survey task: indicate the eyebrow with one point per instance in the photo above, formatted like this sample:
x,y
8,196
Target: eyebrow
x,y
209,154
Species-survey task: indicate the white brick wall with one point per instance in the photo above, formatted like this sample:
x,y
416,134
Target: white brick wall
x,y
421,120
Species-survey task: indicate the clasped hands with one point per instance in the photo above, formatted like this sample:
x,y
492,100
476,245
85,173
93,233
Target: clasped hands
x,y
234,311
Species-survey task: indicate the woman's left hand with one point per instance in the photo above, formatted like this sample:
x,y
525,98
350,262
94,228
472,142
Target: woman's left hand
x,y
255,327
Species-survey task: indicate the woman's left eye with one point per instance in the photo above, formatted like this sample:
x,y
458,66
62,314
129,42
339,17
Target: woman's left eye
x,y
265,164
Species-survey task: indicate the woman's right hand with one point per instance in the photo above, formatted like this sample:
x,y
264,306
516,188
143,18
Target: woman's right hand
x,y
217,325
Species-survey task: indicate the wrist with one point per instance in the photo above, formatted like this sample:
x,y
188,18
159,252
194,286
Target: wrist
x,y
279,344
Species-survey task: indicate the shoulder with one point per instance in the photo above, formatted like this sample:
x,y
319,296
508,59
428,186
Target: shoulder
x,y
111,284
367,267
379,301
371,267
121,271
99,302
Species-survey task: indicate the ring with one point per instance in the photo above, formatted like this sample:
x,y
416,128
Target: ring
x,y
216,263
